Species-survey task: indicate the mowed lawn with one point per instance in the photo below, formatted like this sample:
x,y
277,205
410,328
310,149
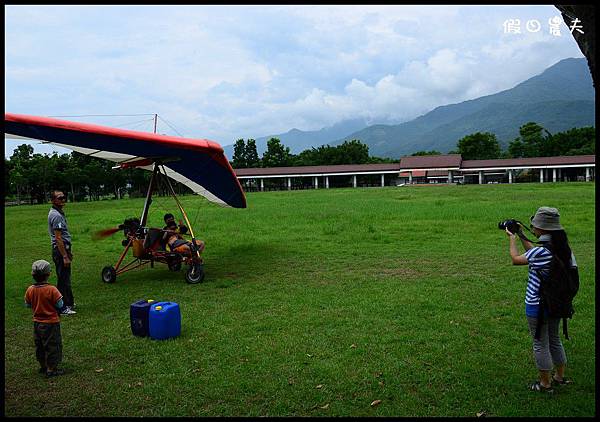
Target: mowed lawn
x,y
315,303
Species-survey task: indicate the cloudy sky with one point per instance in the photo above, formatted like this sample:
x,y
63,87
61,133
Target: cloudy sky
x,y
230,72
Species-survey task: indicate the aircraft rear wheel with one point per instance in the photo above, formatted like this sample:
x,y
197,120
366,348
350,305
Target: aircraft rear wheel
x,y
175,266
174,263
109,275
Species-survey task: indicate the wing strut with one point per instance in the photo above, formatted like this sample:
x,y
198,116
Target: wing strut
x,y
149,196
194,247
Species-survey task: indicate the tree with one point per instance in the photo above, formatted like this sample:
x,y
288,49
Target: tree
x,y
35,175
114,179
61,164
276,155
516,149
22,153
239,155
479,146
73,175
40,173
324,155
8,167
432,152
530,143
533,138
352,152
381,160
575,141
138,181
251,155
21,164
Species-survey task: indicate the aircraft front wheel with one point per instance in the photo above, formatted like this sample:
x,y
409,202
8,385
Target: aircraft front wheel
x,y
195,274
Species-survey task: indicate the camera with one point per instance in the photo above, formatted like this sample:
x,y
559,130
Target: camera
x,y
511,225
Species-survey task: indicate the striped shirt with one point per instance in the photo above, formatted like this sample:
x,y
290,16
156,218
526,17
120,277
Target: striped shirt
x,y
539,265
539,259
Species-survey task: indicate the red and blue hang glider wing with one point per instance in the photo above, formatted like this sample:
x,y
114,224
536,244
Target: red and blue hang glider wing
x,y
199,164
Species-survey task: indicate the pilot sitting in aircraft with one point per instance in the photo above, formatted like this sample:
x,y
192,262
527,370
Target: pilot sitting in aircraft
x,y
174,239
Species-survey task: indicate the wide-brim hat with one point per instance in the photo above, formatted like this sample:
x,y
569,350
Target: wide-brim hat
x,y
546,218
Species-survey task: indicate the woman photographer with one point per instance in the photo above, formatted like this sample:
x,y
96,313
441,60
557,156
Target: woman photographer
x,y
548,349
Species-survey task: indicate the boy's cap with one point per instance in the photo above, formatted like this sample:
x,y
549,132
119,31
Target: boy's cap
x,y
40,267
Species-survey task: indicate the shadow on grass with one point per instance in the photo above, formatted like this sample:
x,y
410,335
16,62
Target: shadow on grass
x,y
247,261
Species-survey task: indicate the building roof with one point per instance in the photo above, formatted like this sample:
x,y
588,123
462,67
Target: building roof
x,y
437,165
533,161
342,168
450,161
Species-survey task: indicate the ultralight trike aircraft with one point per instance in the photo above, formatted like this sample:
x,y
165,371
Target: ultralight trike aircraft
x,y
146,242
199,164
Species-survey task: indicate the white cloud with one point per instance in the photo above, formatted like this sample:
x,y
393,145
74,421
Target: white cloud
x,y
246,71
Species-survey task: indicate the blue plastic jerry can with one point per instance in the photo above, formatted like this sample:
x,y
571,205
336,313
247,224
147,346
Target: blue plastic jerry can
x,y
164,320
138,313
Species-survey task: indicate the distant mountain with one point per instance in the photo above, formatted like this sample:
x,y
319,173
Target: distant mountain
x,y
560,98
299,140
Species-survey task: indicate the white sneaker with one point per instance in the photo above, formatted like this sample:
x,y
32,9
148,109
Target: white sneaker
x,y
68,311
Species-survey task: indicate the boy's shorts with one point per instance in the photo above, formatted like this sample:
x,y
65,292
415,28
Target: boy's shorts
x,y
48,344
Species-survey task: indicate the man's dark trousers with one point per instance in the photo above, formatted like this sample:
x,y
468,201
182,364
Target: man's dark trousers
x,y
63,273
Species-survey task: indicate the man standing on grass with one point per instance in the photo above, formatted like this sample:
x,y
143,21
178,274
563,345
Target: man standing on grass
x,y
61,250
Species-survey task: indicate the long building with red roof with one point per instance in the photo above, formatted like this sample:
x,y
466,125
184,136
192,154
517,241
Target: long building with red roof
x,y
426,169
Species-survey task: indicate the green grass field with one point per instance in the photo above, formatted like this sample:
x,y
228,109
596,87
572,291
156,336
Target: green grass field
x,y
315,303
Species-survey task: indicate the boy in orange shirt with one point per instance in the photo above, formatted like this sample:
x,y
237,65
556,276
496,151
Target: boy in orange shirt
x,y
46,302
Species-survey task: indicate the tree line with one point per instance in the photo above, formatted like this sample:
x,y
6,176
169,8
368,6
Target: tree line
x,y
533,141
245,155
31,176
